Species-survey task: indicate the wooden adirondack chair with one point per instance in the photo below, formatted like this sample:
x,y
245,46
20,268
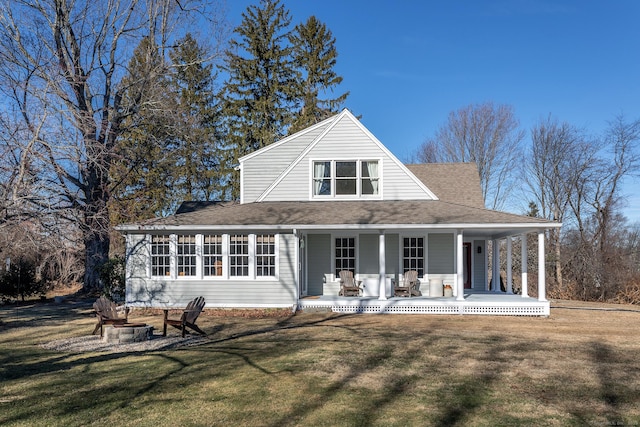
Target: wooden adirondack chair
x,y
409,285
348,286
107,314
188,318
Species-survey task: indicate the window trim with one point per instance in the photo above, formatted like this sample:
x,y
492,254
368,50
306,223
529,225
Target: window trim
x,y
424,253
356,243
333,179
226,257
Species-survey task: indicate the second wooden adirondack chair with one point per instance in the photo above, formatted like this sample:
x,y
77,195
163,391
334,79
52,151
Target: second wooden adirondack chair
x,y
188,318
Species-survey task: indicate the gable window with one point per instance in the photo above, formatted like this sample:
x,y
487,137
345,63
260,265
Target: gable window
x,y
160,256
413,254
345,178
238,255
345,254
212,255
370,178
186,250
322,178
265,255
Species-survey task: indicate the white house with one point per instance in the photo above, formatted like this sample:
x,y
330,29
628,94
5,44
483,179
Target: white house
x,y
331,198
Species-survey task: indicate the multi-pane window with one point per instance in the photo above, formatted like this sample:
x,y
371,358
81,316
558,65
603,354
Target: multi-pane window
x,y
343,178
238,255
345,254
346,178
413,254
212,255
160,257
322,178
186,251
265,255
370,179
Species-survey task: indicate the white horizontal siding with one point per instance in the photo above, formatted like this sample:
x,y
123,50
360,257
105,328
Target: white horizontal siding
x,y
347,141
147,292
260,171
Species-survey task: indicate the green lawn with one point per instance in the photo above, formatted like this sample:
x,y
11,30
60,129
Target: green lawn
x,y
577,367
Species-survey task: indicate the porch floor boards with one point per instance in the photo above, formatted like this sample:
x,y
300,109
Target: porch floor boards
x,y
487,303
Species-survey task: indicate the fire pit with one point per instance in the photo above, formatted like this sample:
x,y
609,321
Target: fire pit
x,y
127,333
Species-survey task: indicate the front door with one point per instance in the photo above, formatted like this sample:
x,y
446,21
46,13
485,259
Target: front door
x,y
466,265
302,273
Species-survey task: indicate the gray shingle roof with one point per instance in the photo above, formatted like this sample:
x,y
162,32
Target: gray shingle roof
x,y
451,182
336,213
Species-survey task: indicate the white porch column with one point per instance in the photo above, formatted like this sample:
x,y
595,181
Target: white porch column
x,y
541,269
509,265
525,262
459,266
382,278
495,265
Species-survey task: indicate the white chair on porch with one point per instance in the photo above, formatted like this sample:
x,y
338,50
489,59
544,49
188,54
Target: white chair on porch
x,y
409,285
348,286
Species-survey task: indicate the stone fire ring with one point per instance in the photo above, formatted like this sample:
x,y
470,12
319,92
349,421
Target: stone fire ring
x,y
127,333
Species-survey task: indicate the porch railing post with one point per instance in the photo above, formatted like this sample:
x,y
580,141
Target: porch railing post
x,y
541,268
382,279
495,265
525,263
509,266
459,266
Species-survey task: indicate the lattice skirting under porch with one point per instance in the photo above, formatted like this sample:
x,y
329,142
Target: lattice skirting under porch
x,y
531,307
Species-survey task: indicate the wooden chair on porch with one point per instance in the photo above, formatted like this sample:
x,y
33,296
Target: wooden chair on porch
x,y
348,286
409,285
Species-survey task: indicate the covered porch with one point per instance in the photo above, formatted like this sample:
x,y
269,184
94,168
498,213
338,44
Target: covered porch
x,y
465,263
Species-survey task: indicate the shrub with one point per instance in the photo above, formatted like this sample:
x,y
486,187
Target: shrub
x,y
22,281
112,275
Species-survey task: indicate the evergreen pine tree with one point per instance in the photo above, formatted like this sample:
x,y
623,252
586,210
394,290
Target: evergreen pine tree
x,y
141,174
195,144
314,55
260,88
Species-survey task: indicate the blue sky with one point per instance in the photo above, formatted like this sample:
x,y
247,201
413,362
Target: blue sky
x,y
408,64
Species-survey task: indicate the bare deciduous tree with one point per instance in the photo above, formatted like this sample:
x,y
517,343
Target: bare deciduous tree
x,y
62,65
487,135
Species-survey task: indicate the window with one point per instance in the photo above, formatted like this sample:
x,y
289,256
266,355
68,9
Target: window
x,y
265,255
186,255
212,255
322,178
246,256
238,255
413,254
160,258
370,178
345,178
345,254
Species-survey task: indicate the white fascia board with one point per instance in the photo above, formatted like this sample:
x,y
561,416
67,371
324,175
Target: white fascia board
x,y
303,154
287,138
392,157
290,227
